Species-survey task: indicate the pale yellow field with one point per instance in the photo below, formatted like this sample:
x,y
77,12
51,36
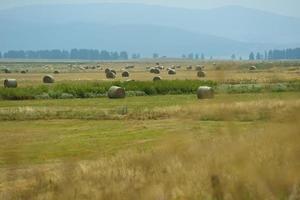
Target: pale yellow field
x,y
230,72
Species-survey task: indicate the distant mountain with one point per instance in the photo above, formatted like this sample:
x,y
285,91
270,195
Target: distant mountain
x,y
146,29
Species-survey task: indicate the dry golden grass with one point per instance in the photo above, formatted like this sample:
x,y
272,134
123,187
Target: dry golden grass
x,y
236,160
230,147
225,76
258,164
230,72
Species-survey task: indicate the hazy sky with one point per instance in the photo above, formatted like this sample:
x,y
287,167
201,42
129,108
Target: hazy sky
x,y
285,7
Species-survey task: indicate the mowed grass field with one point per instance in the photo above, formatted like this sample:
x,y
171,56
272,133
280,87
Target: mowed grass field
x,y
235,146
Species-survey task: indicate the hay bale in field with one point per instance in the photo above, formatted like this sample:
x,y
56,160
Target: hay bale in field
x,y
23,72
160,67
110,75
205,92
252,68
10,83
107,70
129,80
154,70
199,67
171,72
201,74
113,71
157,78
189,67
129,67
7,71
48,79
56,72
116,92
125,74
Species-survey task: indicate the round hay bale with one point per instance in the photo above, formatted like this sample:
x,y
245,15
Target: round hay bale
x,y
154,70
107,70
252,68
201,74
129,67
110,75
130,80
116,92
56,72
10,83
189,67
7,71
157,78
23,72
178,66
125,74
48,79
113,71
205,92
160,67
171,72
199,67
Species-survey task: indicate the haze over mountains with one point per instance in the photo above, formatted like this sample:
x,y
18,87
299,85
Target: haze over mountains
x,y
146,29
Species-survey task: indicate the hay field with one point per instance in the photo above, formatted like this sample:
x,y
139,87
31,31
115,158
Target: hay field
x,y
235,146
228,71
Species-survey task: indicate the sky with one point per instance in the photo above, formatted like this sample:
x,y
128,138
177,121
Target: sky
x,y
284,7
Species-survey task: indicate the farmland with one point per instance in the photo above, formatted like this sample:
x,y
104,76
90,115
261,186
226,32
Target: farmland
x,y
67,140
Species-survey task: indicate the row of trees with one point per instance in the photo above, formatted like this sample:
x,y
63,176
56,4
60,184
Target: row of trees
x,y
92,54
191,56
83,54
276,54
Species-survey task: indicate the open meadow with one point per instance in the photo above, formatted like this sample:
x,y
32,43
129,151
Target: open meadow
x,y
67,140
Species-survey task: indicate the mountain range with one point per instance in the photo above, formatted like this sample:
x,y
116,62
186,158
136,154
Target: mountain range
x,y
146,29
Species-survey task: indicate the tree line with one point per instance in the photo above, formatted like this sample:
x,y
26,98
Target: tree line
x,y
285,54
191,56
82,54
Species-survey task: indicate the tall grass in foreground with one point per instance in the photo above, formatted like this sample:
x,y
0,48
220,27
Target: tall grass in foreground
x,y
263,164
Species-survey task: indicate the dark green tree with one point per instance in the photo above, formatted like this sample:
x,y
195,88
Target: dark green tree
x,y
233,57
202,56
258,56
251,56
